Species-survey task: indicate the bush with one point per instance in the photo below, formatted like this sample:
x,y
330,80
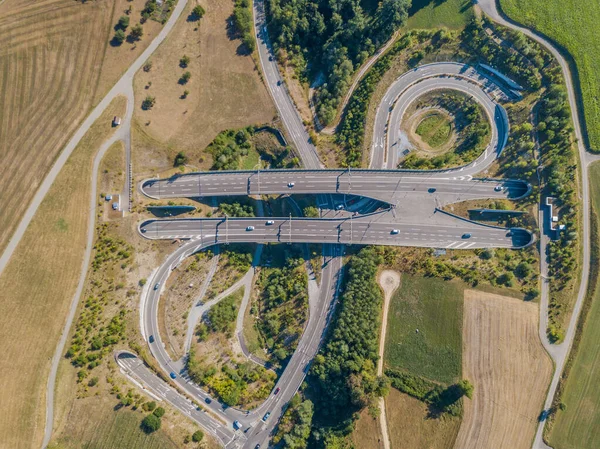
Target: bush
x,y
124,22
184,61
151,423
197,436
119,37
159,412
180,159
136,32
149,406
185,78
311,211
198,12
148,102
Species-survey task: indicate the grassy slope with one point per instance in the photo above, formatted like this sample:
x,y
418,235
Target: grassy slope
x,y
37,286
573,25
452,14
435,308
579,425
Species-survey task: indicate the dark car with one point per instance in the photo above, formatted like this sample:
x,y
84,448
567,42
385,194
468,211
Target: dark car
x,y
277,390
431,190
173,375
466,236
208,400
257,446
151,339
279,83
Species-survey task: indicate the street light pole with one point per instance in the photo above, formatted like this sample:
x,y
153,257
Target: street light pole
x,y
290,233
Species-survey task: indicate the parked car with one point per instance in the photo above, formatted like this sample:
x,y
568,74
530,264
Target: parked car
x,y
115,205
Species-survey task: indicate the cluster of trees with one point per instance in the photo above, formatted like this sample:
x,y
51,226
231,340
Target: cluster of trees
x,y
244,23
332,38
282,307
509,61
343,374
294,428
221,317
440,398
230,383
229,146
152,422
472,127
519,159
236,210
152,10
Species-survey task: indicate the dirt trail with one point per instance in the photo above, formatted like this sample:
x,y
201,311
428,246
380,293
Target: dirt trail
x,y
505,361
389,281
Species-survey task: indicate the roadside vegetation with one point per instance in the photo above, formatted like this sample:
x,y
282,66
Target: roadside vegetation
x,y
213,364
280,308
328,41
449,14
234,262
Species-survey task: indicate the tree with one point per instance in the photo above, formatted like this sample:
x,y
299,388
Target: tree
x,y
197,436
184,61
180,159
119,37
124,22
148,102
198,12
159,412
523,270
185,77
151,423
136,32
185,94
466,388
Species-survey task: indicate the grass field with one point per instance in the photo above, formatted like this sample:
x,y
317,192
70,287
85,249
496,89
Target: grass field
x,y
434,307
55,64
510,370
37,286
435,129
366,434
579,425
573,27
452,14
410,426
225,91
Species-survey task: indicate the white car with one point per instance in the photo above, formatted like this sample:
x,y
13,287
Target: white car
x,y
250,228
339,206
291,184
395,231
270,222
498,188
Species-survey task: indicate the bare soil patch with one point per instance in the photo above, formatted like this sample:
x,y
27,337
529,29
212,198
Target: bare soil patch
x,y
505,361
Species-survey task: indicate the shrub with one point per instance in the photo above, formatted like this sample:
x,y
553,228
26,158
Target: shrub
x,y
185,78
148,102
151,423
136,32
180,159
159,412
198,12
119,37
184,61
197,436
124,22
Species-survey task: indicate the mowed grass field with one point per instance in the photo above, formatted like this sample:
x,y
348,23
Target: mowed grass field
x,y
410,426
225,91
510,370
434,307
451,14
578,427
573,25
36,289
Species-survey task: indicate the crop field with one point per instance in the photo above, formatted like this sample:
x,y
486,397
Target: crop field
x,y
55,64
424,331
225,90
510,370
452,14
578,426
32,314
573,25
